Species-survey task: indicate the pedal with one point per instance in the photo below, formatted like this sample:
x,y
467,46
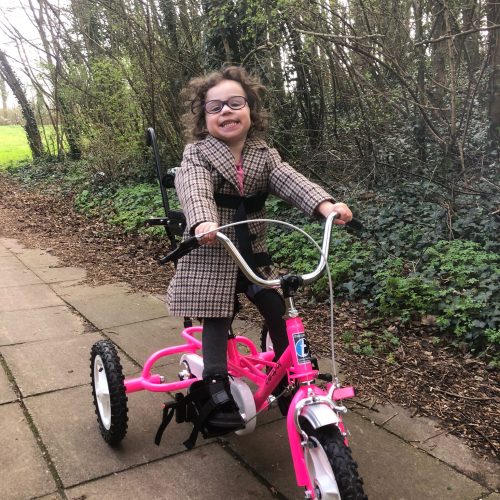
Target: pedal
x,y
326,377
314,363
184,375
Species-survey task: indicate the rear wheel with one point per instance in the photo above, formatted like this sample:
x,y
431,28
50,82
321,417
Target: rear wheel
x,y
332,470
108,389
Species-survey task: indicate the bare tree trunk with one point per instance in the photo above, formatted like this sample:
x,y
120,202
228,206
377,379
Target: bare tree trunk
x,y
420,123
3,91
439,53
493,12
31,127
470,14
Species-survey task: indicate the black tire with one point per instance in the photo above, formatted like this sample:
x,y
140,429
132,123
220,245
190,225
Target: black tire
x,y
108,390
342,465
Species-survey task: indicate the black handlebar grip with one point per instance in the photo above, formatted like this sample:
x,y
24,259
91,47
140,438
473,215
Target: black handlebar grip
x,y
355,224
184,248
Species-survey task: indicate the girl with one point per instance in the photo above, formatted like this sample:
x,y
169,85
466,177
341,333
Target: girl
x,y
225,176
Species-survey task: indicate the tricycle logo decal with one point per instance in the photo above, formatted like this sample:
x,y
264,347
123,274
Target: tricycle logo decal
x,y
301,348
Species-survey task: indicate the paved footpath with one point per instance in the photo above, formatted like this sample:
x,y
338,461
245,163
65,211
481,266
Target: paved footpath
x,y
50,446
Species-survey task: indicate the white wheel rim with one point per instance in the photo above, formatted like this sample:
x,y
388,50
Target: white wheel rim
x,y
269,343
101,389
320,472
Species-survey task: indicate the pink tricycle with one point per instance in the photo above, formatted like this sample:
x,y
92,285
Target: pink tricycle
x,y
321,457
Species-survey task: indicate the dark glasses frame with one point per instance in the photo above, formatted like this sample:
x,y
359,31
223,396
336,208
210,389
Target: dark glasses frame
x,y
203,104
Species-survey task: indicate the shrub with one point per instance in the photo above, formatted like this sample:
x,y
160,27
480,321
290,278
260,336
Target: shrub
x,y
457,283
348,257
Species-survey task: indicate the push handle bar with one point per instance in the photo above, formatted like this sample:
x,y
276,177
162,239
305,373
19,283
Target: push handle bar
x,y
191,243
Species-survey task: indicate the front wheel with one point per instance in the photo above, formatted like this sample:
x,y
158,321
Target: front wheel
x,y
108,389
332,470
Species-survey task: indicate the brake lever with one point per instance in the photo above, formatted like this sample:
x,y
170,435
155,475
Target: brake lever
x,y
184,248
355,225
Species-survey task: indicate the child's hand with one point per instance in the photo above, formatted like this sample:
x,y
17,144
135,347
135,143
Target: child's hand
x,y
325,208
210,238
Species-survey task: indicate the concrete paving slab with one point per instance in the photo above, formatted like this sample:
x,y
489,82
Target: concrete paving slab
x,y
7,394
10,261
70,292
106,311
425,433
17,276
36,258
18,298
39,324
24,471
381,457
3,250
58,274
77,449
12,245
50,365
207,472
140,340
247,329
268,452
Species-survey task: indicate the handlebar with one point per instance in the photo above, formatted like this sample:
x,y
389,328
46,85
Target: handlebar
x,y
190,244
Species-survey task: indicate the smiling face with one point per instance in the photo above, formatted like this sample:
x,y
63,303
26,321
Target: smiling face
x,y
229,125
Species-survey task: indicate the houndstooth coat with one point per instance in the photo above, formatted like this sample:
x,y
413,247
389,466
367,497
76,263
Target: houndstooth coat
x,y
205,280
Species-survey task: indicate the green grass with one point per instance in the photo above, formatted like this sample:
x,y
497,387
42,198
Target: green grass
x,y
13,145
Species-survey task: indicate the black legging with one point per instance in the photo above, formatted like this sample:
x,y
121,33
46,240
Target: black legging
x,y
271,306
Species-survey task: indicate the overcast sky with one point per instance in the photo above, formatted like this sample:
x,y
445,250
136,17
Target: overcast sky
x,y
12,12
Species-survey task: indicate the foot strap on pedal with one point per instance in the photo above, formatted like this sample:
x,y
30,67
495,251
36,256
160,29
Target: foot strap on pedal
x,y
197,407
183,409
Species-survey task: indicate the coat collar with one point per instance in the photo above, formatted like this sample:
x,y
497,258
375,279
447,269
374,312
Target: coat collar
x,y
219,155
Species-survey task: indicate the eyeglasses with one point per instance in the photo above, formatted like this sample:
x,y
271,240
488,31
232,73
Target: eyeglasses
x,y
215,106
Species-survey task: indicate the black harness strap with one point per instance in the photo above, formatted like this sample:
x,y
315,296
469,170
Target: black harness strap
x,y
180,408
216,400
168,413
245,205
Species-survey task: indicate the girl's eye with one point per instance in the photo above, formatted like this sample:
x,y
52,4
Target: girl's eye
x,y
236,102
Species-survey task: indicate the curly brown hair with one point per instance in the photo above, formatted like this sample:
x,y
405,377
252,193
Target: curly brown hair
x,y
196,91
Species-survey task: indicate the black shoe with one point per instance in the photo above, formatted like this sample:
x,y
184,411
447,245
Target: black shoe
x,y
285,400
225,416
217,412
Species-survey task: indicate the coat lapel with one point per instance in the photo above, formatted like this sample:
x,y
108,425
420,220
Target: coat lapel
x,y
219,155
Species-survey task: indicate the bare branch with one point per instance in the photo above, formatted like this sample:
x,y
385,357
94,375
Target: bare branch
x,y
456,35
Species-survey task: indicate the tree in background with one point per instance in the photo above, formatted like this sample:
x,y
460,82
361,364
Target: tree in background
x,y
493,12
3,92
8,75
